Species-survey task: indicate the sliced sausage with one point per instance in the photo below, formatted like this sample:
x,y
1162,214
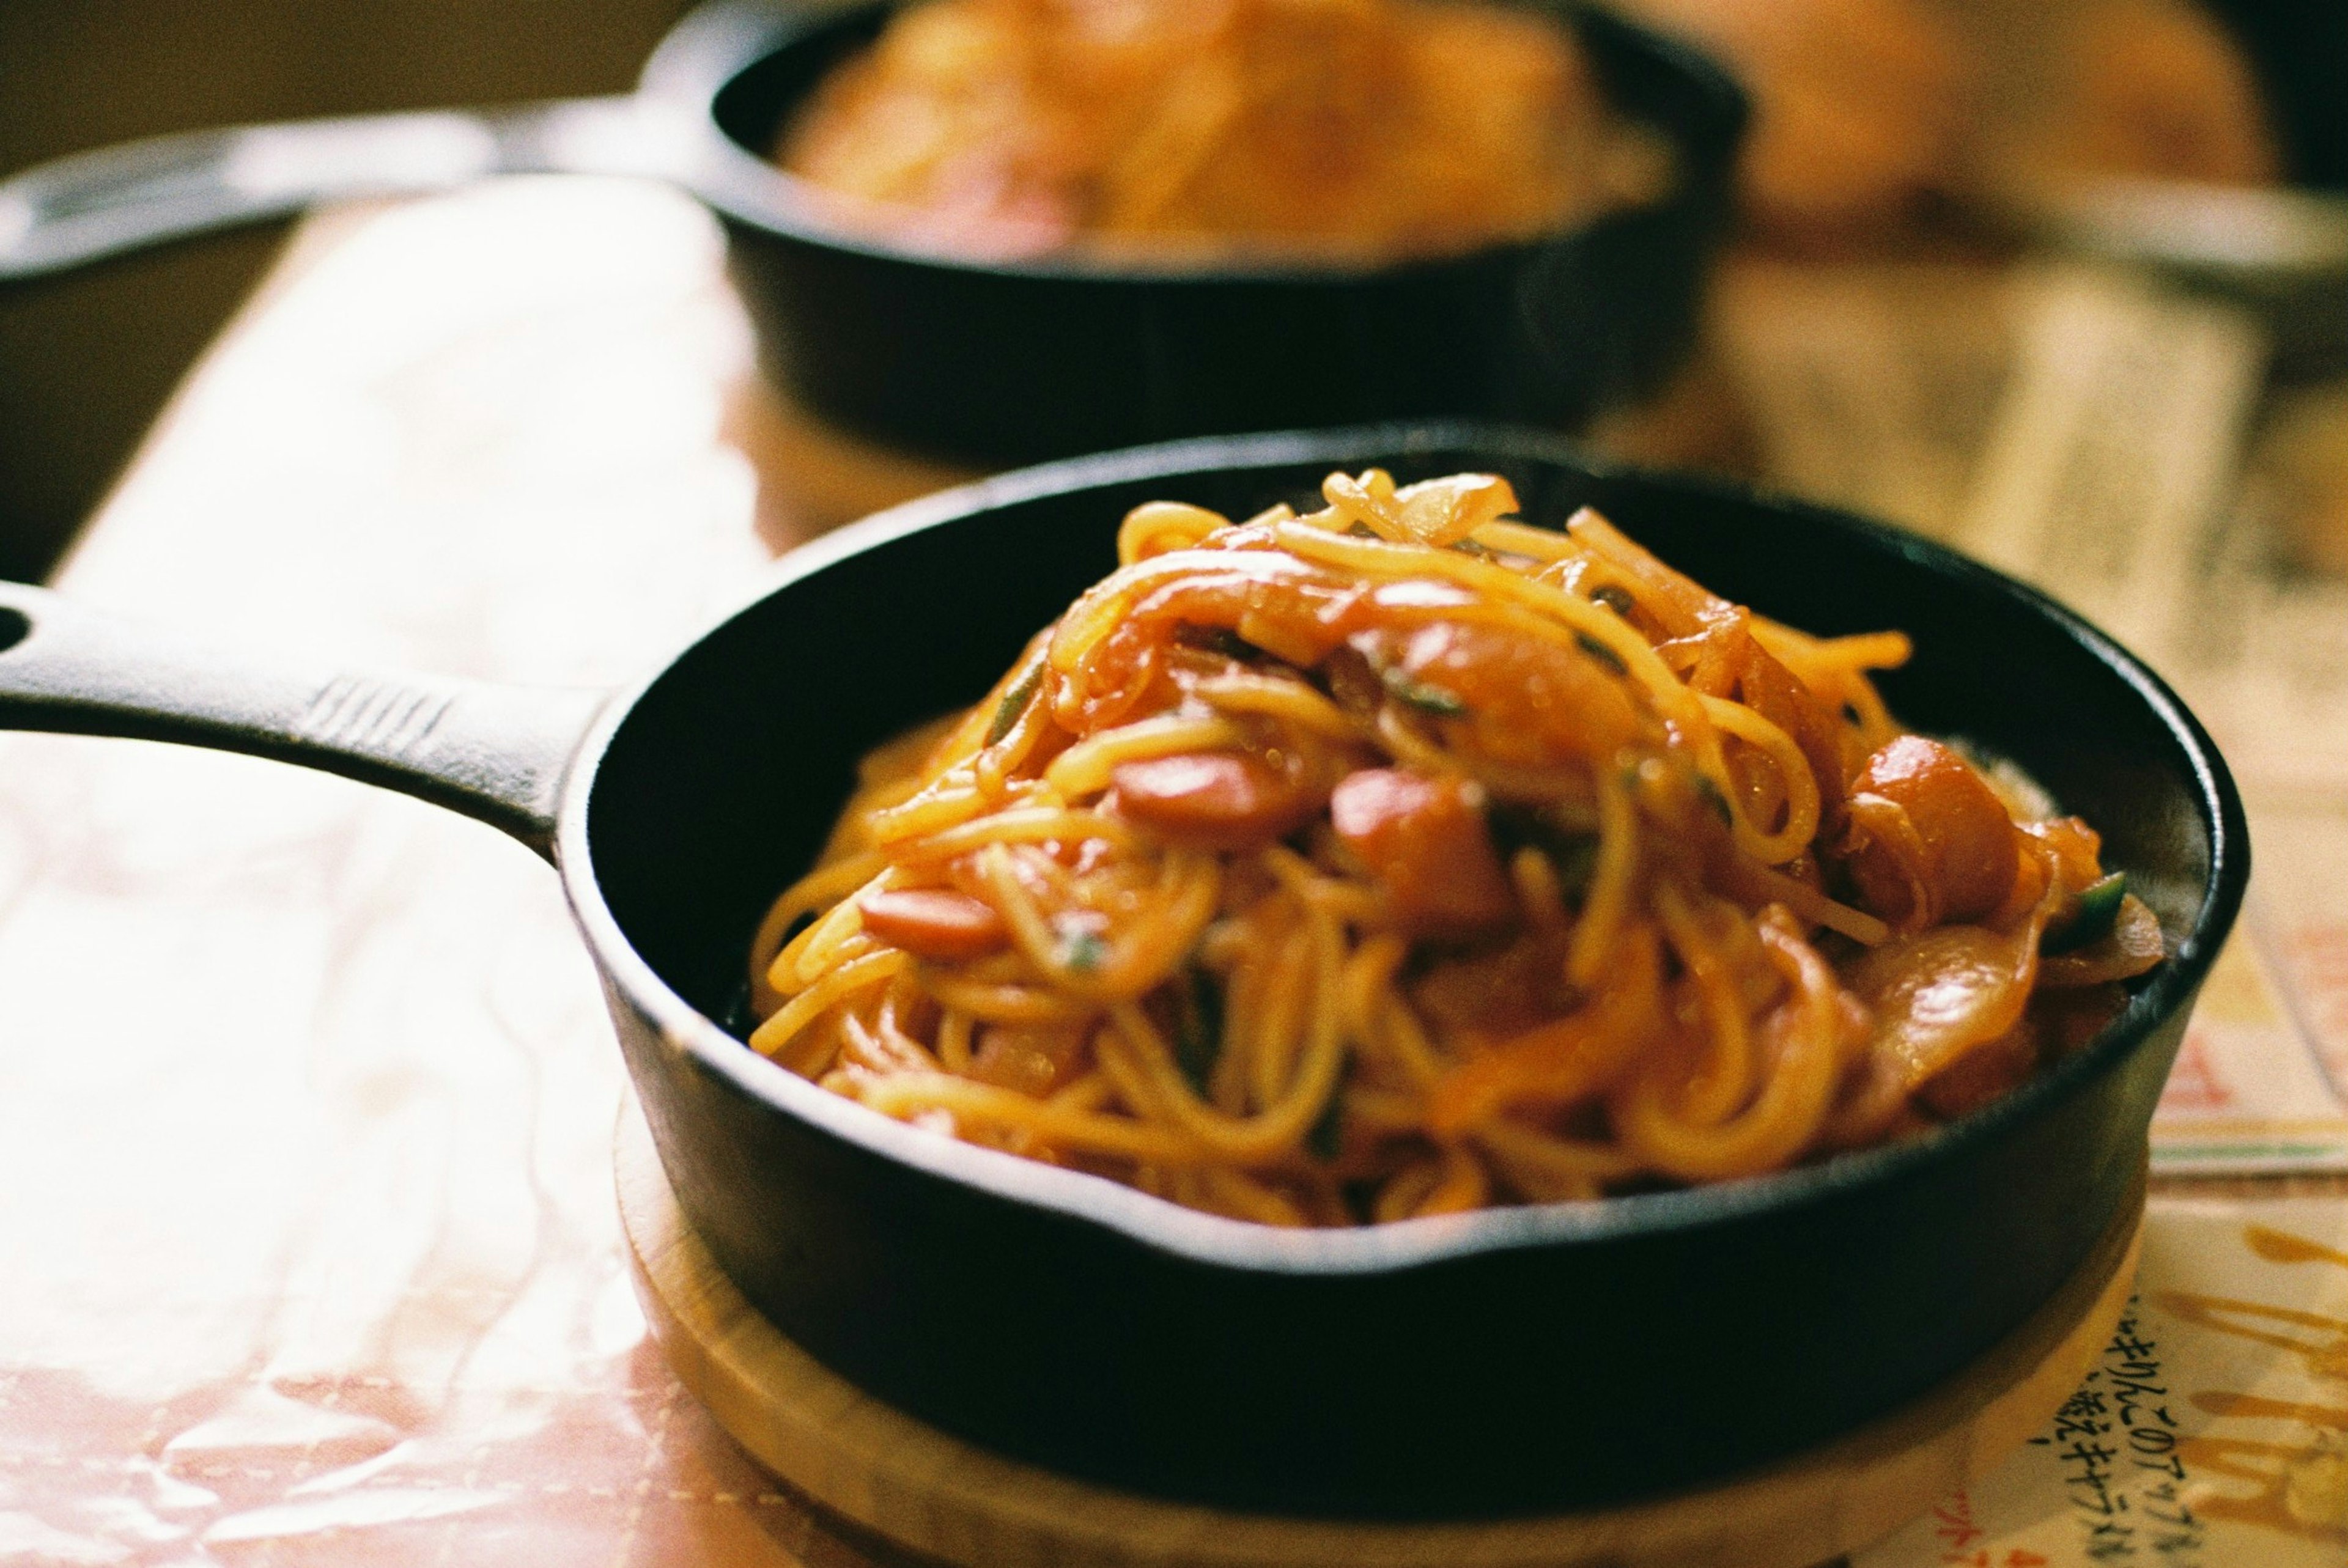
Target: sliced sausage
x,y
1425,841
934,923
1930,842
1210,800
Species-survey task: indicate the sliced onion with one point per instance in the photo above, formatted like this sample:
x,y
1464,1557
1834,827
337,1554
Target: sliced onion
x,y
1939,993
1445,511
2132,946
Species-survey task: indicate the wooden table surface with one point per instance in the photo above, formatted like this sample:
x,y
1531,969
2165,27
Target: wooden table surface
x,y
306,1095
306,1092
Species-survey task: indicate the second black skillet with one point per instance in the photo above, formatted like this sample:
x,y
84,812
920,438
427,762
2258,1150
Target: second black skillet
x,y
990,364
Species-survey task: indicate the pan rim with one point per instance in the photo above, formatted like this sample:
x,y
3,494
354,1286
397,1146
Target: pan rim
x,y
1152,1223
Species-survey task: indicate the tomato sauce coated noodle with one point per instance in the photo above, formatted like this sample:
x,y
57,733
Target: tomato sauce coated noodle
x,y
1364,130
1404,859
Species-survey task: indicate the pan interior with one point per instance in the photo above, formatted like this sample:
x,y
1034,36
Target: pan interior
x,y
721,784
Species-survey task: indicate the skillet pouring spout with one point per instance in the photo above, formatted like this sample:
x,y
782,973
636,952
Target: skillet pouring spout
x,y
496,754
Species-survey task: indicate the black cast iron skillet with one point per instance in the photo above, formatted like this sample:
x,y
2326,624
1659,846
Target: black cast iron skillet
x,y
1518,1360
995,363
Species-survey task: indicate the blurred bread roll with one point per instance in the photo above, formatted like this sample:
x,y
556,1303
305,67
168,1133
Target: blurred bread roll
x,y
2152,88
1866,112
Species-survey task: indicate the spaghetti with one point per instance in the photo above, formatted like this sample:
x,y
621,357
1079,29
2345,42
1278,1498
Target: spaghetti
x,y
1404,857
1364,129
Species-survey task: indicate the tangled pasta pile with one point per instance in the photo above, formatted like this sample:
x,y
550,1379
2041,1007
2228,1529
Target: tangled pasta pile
x,y
1403,858
1361,128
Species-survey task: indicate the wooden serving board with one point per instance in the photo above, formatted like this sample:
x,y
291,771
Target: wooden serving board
x,y
941,1496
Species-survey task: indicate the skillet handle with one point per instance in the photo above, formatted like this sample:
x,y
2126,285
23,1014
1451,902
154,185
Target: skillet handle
x,y
93,205
496,753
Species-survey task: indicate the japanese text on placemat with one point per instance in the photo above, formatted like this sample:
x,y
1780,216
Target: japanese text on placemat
x,y
2121,1456
1953,1527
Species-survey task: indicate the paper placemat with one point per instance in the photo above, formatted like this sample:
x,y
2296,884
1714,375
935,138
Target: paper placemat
x,y
2249,1092
2213,1433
